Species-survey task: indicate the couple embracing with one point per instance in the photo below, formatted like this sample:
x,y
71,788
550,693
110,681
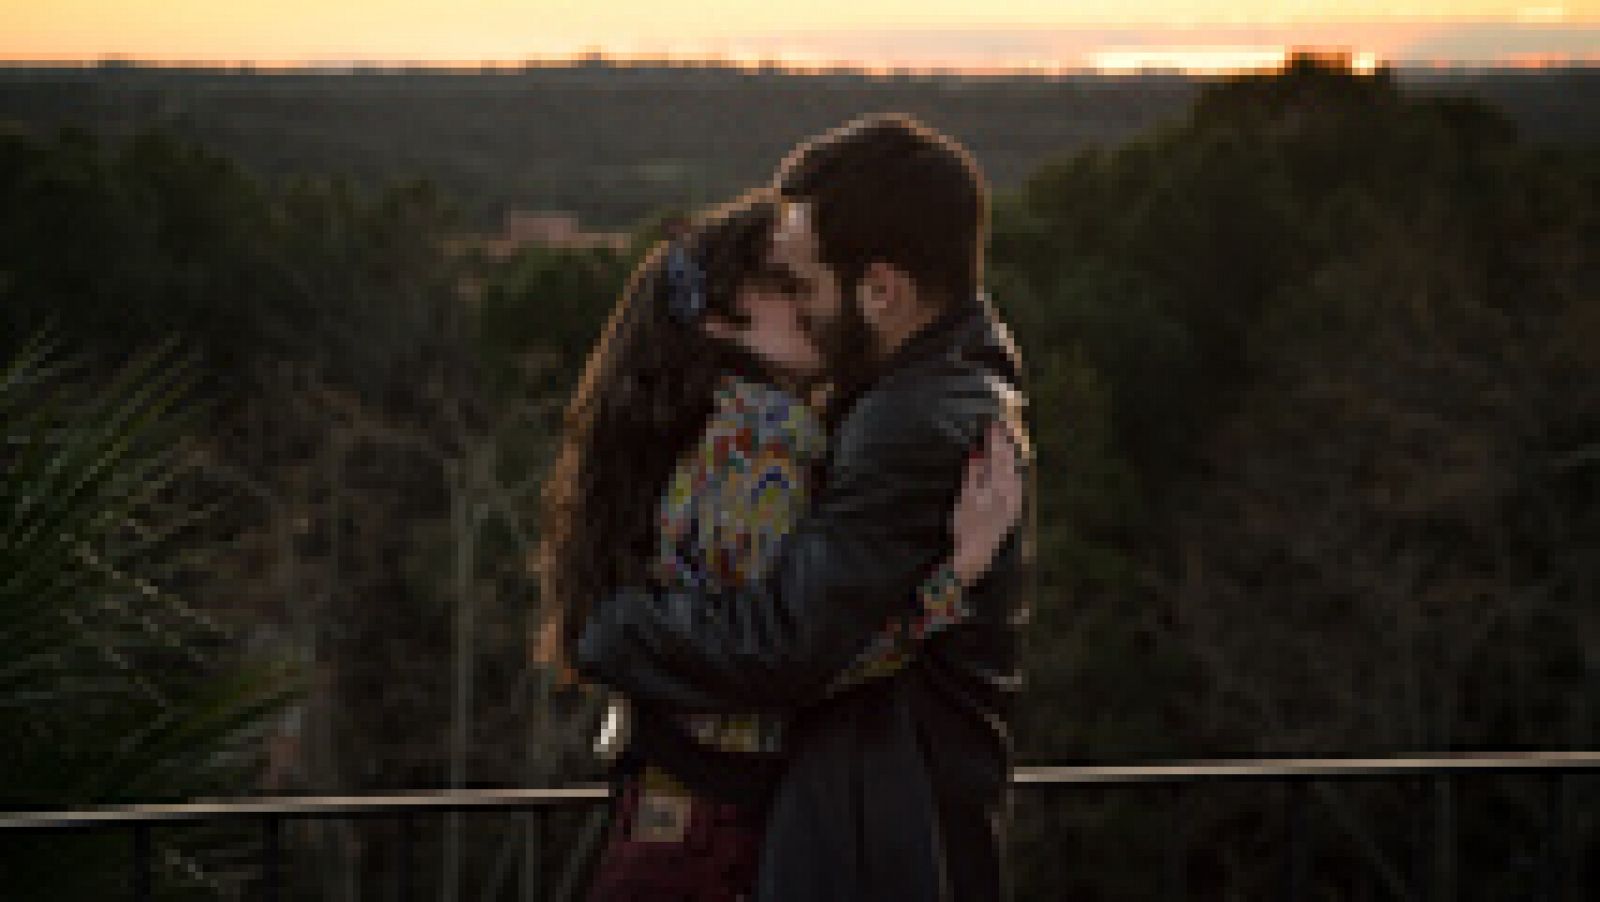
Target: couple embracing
x,y
780,530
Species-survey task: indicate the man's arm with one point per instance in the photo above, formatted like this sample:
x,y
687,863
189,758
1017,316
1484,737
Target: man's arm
x,y
875,531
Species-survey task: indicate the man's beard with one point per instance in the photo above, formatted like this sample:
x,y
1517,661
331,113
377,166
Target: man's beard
x,y
847,345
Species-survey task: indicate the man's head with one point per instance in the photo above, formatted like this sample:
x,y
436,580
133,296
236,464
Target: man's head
x,y
885,221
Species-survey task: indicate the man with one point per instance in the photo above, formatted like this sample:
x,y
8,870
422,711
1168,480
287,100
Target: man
x,y
895,789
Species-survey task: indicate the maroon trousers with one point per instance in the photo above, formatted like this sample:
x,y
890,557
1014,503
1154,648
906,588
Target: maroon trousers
x,y
677,850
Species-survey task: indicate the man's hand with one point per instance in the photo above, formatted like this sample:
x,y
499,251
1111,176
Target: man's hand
x,y
989,505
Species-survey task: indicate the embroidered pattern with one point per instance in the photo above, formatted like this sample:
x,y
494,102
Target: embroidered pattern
x,y
942,604
725,511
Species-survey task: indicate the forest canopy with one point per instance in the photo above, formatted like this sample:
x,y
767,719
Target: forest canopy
x,y
1314,375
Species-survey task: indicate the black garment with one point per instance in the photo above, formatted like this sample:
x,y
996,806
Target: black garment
x,y
895,789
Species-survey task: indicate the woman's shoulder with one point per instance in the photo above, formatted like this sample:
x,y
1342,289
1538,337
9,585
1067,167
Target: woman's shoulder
x,y
768,418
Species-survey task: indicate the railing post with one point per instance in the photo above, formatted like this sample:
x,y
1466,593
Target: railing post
x,y
141,862
1444,837
1294,877
403,869
1555,864
594,830
272,867
1177,877
1422,887
533,854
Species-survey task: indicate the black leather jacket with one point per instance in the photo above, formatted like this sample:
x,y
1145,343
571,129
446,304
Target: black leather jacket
x,y
894,790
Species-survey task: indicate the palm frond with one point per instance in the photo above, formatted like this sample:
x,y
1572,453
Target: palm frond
x,y
111,687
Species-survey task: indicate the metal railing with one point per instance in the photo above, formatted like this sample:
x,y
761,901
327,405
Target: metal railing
x,y
1554,768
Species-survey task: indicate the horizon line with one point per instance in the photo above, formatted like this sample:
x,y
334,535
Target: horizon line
x,y
1266,58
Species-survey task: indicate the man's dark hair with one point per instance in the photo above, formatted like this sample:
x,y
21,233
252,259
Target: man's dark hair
x,y
887,187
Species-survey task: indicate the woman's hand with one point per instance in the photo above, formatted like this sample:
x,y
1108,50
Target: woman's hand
x,y
989,504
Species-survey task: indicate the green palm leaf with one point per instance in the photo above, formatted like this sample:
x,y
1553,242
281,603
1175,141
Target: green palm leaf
x,y
111,688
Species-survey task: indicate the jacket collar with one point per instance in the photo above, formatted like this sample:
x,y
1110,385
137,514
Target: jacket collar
x,y
935,338
969,328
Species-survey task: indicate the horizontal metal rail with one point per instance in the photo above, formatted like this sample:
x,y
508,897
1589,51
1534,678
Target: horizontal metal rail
x,y
580,795
309,806
1314,768
1435,771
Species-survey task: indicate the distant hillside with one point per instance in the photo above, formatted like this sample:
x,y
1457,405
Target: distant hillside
x,y
614,144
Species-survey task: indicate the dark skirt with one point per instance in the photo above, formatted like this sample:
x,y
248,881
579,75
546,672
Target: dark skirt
x,y
677,848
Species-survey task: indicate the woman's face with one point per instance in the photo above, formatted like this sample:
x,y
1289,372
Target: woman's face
x,y
775,331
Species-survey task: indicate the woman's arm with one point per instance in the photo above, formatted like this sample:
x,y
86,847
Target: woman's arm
x,y
749,480
871,536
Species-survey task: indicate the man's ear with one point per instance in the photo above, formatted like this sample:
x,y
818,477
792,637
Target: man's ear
x,y
886,292
867,298
875,292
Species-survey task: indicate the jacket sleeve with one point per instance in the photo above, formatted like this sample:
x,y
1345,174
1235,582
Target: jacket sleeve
x,y
941,604
877,527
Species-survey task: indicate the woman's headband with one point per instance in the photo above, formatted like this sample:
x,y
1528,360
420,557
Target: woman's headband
x,y
686,285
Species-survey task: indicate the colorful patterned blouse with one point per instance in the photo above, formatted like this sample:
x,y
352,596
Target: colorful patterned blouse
x,y
725,511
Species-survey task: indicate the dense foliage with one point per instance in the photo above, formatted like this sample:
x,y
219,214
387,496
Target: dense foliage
x,y
1318,390
1315,382
113,688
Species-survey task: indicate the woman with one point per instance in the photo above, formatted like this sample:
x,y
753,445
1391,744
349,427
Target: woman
x,y
686,459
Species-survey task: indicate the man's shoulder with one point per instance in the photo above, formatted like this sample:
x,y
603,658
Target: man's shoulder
x,y
942,402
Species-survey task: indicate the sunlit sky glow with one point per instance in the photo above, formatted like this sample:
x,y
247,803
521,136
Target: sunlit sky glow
x,y
958,33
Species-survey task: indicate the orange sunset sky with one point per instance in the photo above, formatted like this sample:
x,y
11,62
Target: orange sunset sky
x,y
954,33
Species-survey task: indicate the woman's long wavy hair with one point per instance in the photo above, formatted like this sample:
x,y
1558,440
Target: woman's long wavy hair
x,y
645,394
